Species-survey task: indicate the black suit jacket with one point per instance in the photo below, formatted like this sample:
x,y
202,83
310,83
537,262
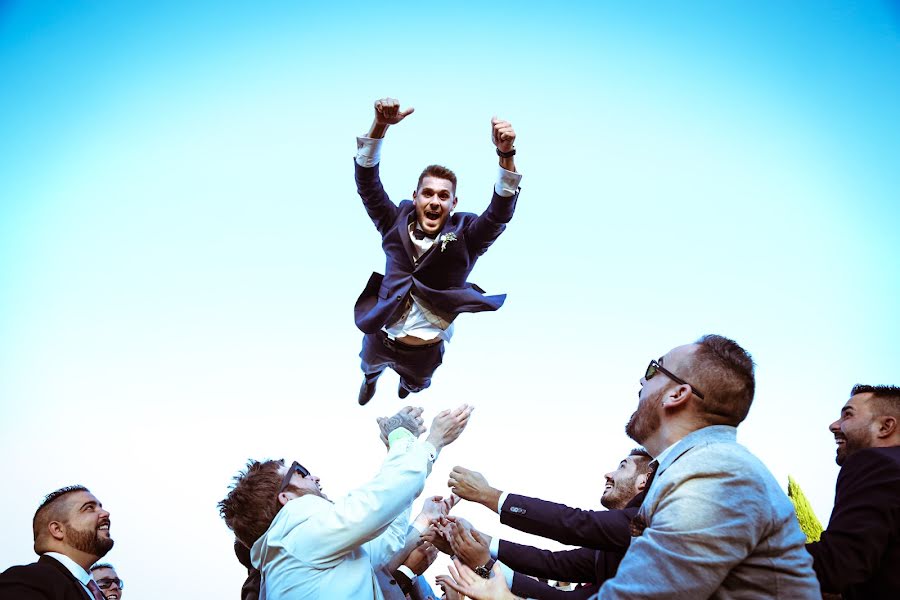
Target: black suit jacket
x,y
859,553
47,579
582,565
598,529
439,276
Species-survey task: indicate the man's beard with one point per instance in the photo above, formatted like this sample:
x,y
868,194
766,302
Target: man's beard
x,y
852,443
617,497
88,542
644,422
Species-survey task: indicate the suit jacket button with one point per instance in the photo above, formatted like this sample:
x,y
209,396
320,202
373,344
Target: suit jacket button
x,y
399,298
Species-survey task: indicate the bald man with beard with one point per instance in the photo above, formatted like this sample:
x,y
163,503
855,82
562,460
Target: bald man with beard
x,y
71,533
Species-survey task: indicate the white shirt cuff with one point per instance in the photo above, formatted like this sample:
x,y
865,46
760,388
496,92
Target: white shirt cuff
x,y
407,571
494,548
368,151
508,573
433,452
503,496
507,181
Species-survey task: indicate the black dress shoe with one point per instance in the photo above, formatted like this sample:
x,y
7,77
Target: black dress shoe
x,y
402,392
366,391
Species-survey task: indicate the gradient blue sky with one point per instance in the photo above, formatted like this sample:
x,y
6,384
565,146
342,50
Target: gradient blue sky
x,y
181,243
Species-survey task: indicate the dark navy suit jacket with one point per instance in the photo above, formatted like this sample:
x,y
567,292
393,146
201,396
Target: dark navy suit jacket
x,y
47,579
597,529
606,533
859,553
439,276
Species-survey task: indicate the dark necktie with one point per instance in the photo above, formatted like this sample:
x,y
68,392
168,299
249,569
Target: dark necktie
x,y
95,590
421,235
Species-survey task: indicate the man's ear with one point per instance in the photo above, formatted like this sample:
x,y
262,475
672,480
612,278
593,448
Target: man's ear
x,y
283,498
452,206
640,482
57,530
887,426
415,193
677,397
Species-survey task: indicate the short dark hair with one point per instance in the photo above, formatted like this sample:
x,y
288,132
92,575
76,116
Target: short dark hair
x,y
724,372
885,398
252,502
102,566
439,172
642,458
49,510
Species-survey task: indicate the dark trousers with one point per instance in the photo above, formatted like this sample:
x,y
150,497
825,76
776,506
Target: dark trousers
x,y
414,364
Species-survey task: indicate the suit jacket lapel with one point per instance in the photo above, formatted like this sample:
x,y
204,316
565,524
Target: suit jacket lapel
x,y
404,237
52,562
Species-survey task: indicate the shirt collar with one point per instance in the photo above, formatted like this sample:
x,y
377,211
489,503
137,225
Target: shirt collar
x,y
77,570
706,435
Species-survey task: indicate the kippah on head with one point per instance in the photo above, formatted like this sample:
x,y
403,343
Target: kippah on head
x,y
102,566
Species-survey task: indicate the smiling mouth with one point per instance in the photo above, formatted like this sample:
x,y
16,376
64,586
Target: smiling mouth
x,y
113,596
432,215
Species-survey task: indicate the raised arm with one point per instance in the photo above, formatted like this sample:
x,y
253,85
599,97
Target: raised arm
x,y
378,205
387,113
491,223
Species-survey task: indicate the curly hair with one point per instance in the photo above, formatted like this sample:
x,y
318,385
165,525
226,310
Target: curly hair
x,y
251,503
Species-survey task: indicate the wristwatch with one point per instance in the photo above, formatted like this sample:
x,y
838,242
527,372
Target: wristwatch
x,y
484,570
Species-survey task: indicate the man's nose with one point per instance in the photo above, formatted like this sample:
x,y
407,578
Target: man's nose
x,y
835,427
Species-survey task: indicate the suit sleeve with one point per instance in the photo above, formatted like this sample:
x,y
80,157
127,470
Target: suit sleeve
x,y
488,226
381,210
526,587
598,529
568,565
365,512
866,510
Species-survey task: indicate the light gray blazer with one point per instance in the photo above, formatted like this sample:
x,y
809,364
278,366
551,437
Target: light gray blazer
x,y
717,526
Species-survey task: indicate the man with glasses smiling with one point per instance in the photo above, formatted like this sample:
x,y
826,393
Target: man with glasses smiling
x,y
407,314
108,581
308,546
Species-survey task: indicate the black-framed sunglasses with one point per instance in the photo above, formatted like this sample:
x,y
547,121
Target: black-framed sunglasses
x,y
295,468
105,584
654,367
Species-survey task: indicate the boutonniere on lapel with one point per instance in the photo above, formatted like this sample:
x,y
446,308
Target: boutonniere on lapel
x,y
446,239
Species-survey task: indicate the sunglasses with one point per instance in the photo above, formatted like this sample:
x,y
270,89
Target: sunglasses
x,y
105,584
654,367
295,468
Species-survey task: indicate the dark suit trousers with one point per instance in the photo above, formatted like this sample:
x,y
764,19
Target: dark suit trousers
x,y
414,364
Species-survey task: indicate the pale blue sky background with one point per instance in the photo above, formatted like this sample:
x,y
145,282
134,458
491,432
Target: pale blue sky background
x,y
181,243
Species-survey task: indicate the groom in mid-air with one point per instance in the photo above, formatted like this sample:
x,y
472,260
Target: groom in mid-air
x,y
407,314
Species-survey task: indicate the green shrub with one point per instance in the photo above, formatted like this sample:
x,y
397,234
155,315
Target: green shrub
x,y
809,523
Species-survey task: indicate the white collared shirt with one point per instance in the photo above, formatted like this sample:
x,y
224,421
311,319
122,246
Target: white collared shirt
x,y
74,568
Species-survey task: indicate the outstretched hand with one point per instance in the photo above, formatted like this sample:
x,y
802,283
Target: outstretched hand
x,y
388,112
502,134
466,581
469,545
472,486
408,417
448,425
